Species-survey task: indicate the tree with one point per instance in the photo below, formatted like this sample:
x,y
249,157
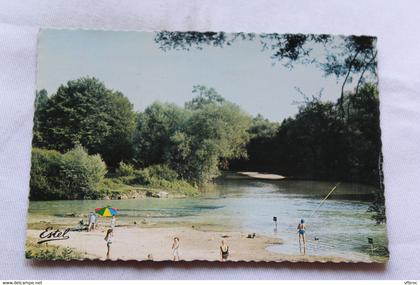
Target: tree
x,y
197,140
204,97
357,55
85,112
211,137
263,128
41,99
312,144
218,119
364,134
260,148
155,126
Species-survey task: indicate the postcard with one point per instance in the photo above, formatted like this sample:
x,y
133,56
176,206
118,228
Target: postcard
x,y
210,146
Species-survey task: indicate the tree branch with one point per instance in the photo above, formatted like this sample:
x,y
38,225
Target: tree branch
x,y
359,82
344,83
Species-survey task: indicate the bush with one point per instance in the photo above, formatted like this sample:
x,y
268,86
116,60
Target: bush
x,y
125,169
161,171
159,177
113,186
176,186
73,175
82,173
149,174
45,183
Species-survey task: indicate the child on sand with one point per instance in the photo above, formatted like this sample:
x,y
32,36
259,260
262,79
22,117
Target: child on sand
x,y
301,232
108,239
224,250
175,247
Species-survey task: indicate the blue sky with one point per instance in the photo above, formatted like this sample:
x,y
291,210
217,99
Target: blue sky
x,y
132,63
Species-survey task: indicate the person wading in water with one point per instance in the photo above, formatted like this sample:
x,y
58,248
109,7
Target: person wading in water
x,y
301,232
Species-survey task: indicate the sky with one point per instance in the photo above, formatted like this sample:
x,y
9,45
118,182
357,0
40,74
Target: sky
x,y
131,62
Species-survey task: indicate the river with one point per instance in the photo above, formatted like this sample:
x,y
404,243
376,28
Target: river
x,y
341,227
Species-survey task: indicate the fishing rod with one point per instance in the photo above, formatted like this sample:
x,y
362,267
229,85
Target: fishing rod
x,y
323,200
314,211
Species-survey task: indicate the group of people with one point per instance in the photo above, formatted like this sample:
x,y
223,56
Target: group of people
x,y
224,247
224,250
92,223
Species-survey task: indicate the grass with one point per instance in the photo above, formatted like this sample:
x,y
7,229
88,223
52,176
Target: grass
x,y
113,187
126,185
46,251
173,187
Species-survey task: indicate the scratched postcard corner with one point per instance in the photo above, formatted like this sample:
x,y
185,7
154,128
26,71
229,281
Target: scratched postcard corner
x,y
206,146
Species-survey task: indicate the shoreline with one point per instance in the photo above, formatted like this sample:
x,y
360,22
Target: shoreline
x,y
139,243
139,192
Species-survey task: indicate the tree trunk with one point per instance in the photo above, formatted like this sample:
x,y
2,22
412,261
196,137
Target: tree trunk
x,y
341,101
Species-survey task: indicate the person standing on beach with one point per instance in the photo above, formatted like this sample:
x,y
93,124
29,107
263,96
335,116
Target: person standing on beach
x,y
175,249
301,232
96,221
108,238
92,221
113,222
224,250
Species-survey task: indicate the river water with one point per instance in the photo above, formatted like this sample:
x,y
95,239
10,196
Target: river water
x,y
341,227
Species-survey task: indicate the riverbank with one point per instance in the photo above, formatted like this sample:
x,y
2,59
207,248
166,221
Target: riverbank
x,y
137,243
242,205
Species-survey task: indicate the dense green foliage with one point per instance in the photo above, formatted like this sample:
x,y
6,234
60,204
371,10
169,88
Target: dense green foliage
x,y
155,178
318,144
41,99
72,175
171,147
196,141
85,112
155,126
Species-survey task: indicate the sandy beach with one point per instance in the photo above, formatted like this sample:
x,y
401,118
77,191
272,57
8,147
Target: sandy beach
x,y
135,243
263,176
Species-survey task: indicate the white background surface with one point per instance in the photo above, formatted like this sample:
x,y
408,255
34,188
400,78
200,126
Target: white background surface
x,y
396,23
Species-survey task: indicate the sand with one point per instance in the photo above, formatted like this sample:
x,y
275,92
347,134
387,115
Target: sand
x,y
258,175
137,243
